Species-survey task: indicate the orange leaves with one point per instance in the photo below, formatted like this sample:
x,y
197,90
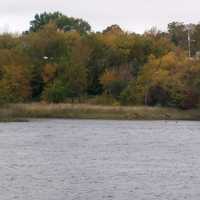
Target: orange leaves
x,y
109,76
49,72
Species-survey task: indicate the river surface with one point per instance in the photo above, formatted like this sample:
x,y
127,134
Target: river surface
x,y
100,160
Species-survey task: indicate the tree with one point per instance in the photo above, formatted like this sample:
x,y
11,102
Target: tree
x,y
56,92
114,81
76,77
58,59
178,34
62,22
45,47
167,81
113,29
195,40
9,41
15,84
49,73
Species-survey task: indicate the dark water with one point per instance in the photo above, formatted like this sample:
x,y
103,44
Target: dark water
x,y
99,160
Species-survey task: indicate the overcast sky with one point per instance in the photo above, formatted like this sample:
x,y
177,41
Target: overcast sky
x,y
131,15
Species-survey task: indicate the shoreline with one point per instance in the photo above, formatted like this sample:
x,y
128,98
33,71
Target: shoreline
x,y
23,112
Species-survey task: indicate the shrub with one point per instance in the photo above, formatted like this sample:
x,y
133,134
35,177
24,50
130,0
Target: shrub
x,y
157,96
128,95
56,92
115,88
104,99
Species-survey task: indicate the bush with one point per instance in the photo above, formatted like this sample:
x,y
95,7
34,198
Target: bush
x,y
125,97
191,101
114,88
128,95
157,96
184,99
104,99
56,92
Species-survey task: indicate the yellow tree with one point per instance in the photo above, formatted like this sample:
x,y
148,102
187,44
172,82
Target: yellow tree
x,y
15,83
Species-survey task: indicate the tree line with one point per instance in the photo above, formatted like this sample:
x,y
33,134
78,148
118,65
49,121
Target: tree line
x,y
60,58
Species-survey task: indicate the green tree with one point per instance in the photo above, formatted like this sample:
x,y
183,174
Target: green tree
x,y
56,92
62,22
178,34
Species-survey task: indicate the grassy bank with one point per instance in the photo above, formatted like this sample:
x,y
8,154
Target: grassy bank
x,y
20,112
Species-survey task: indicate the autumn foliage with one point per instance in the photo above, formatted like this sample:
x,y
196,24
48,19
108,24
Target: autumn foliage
x,y
59,58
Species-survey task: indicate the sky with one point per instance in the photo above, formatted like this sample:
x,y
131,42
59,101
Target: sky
x,y
132,15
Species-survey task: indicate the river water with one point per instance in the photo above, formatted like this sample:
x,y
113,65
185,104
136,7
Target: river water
x,y
100,160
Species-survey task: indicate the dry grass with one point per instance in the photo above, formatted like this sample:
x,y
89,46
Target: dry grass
x,y
86,111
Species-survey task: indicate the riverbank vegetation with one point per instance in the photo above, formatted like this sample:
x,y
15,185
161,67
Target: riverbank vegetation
x,y
61,59
24,112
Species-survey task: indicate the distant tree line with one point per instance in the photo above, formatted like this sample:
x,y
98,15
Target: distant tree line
x,y
61,58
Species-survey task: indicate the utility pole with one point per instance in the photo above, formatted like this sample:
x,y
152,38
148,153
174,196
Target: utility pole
x,y
189,29
189,43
